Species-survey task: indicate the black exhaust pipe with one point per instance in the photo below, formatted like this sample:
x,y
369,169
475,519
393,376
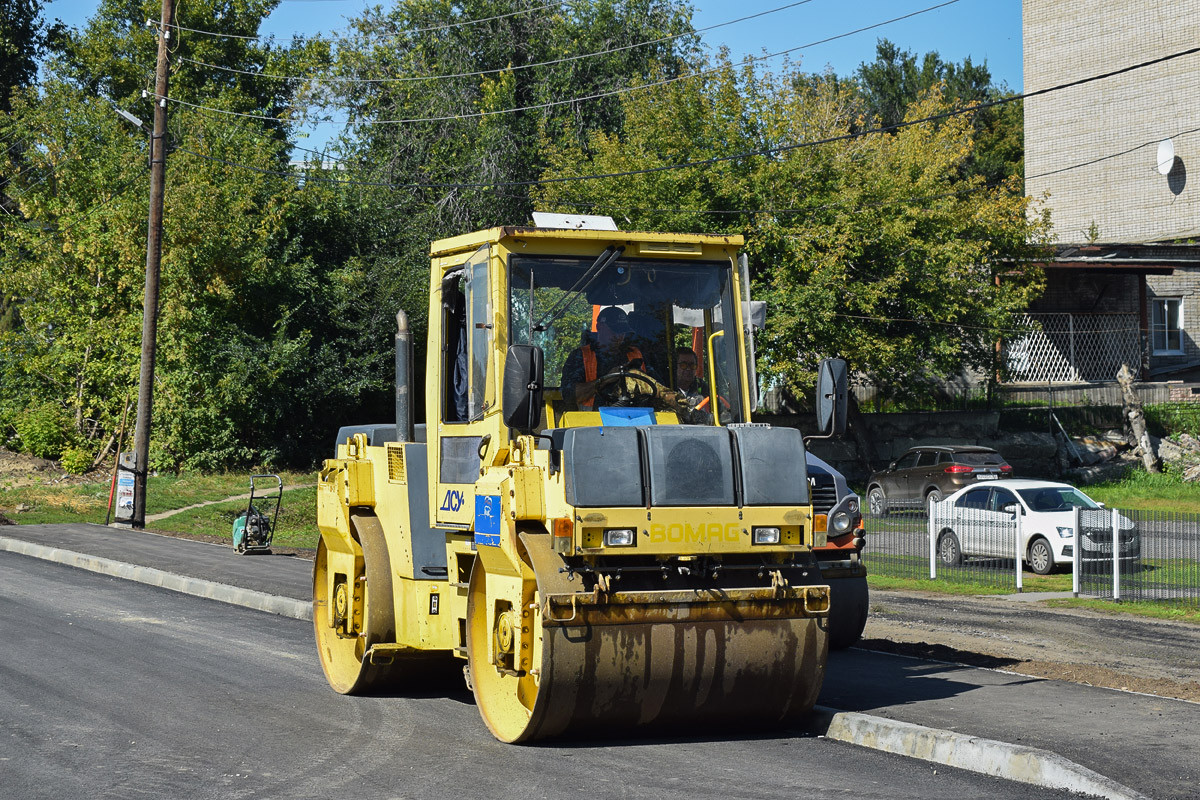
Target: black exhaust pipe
x,y
404,379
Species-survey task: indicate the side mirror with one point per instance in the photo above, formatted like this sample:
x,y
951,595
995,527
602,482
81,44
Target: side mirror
x,y
1010,508
831,396
524,372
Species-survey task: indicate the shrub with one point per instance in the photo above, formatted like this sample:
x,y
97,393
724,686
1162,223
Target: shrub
x,y
43,430
76,460
1169,418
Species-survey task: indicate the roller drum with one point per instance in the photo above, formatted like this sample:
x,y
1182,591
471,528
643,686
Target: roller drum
x,y
643,659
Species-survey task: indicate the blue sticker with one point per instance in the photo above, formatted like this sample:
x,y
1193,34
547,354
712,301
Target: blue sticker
x,y
487,520
626,417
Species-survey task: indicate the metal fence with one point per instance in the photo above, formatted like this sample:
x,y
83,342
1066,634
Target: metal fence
x,y
916,544
1073,347
1157,553
1158,556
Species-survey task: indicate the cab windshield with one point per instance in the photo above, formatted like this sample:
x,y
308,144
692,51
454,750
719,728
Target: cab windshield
x,y
672,320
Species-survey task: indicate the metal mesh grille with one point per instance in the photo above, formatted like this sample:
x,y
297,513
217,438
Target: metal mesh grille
x,y
966,549
395,459
1073,347
1159,556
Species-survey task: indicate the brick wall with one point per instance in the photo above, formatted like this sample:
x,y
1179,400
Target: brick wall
x,y
1123,195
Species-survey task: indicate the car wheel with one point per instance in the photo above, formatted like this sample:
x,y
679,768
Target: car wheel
x,y
877,502
1041,557
933,496
949,551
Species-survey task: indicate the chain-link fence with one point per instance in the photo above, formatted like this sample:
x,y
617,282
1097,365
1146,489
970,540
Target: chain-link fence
x,y
1157,555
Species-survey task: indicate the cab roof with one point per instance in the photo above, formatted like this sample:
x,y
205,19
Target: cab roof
x,y
653,243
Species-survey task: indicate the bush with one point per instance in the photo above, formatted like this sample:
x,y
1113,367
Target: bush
x,y
76,460
43,430
1165,419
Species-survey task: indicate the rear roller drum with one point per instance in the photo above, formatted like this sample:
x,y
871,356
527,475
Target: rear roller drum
x,y
500,669
361,602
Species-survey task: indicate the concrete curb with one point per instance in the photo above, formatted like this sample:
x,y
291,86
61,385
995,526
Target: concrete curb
x,y
233,595
987,756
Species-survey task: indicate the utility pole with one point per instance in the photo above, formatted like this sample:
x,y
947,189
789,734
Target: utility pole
x,y
158,169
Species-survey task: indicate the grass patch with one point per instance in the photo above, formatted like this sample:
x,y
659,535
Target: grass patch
x,y
52,504
296,527
1147,491
964,584
1040,583
87,502
1139,608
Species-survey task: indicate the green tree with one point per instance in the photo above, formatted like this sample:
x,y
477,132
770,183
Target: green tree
x,y
23,37
447,121
897,79
234,278
874,247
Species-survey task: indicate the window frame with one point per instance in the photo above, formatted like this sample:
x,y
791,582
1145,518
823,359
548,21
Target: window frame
x,y
1160,331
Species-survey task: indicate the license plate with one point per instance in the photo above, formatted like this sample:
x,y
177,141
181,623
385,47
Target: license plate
x,y
985,476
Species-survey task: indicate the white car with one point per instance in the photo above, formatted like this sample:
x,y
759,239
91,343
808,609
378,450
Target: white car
x,y
977,521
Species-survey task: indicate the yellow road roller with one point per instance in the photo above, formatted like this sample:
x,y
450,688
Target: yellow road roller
x,y
588,517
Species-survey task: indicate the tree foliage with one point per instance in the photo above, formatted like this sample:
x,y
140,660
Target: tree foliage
x,y
280,282
874,247
446,118
897,79
232,343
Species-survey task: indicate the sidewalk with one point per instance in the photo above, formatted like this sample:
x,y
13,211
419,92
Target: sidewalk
x,y
1053,733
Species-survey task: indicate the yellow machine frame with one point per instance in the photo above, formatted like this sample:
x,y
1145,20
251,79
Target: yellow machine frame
x,y
505,602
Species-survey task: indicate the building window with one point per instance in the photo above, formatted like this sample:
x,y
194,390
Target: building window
x,y
1166,325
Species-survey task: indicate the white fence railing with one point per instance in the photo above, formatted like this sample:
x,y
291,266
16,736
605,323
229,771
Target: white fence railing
x,y
1111,553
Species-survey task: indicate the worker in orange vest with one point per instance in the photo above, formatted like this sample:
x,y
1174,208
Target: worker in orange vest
x,y
585,365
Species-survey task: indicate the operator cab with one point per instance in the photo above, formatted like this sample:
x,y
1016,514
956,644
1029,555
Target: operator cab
x,y
624,323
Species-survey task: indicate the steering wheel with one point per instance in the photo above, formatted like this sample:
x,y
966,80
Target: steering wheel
x,y
633,387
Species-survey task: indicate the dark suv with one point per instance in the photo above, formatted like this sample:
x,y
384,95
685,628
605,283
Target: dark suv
x,y
926,474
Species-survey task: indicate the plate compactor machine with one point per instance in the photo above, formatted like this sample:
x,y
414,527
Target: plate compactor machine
x,y
605,538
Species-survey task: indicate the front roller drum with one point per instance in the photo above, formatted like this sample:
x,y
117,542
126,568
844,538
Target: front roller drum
x,y
546,660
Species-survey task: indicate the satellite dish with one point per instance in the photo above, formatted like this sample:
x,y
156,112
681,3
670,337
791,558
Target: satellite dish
x,y
1166,156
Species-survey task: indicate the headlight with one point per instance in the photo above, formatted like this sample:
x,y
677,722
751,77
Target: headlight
x,y
842,522
620,537
766,536
852,505
1066,533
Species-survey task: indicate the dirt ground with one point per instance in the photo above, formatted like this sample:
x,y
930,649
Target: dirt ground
x,y
1117,651
1029,637
17,469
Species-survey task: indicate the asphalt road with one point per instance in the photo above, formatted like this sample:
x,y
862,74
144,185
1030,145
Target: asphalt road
x,y
115,689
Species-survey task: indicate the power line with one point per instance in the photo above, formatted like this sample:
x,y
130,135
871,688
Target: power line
x,y
598,96
431,29
482,73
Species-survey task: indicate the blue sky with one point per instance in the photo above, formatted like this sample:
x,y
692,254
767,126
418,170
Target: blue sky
x,y
982,29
